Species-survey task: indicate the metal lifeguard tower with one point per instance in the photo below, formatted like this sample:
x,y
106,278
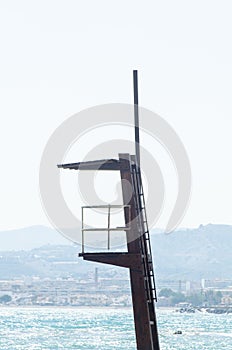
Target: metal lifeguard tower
x,y
138,258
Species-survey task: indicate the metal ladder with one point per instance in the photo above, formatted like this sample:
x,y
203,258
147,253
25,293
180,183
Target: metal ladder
x,y
145,243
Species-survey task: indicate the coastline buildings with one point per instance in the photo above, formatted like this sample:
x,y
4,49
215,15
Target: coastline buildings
x,y
53,275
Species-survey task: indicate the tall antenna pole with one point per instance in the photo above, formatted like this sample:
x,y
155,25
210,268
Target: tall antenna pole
x,y
136,116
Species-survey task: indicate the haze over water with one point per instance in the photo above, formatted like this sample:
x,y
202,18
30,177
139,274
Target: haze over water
x,y
108,329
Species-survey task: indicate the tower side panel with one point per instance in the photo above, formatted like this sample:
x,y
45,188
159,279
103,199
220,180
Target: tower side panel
x,y
140,307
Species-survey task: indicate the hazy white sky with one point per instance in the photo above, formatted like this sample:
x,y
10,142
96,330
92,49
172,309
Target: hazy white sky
x,y
58,57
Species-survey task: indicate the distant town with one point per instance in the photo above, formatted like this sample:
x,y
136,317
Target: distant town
x,y
54,276
108,291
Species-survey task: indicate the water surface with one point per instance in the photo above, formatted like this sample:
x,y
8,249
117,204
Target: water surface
x,y
107,329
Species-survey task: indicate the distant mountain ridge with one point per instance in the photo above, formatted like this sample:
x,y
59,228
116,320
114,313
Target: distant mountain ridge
x,y
204,252
30,237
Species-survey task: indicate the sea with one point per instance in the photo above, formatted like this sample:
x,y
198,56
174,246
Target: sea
x,y
107,328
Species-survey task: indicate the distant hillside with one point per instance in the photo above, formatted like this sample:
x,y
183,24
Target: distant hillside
x,y
30,237
205,252
187,254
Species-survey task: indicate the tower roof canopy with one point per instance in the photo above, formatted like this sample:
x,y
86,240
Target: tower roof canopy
x,y
103,164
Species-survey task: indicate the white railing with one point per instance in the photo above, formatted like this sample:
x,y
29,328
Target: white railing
x,y
108,229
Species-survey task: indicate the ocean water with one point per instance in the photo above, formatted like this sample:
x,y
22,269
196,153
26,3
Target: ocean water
x,y
107,329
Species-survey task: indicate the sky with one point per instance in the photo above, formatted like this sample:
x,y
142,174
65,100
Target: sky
x,y
60,57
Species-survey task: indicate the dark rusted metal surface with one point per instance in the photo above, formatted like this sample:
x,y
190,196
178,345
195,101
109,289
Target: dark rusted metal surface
x,y
132,261
103,164
136,115
144,309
